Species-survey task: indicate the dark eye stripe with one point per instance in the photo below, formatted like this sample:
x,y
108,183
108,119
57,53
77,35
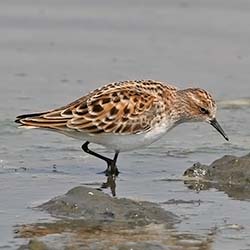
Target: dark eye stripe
x,y
204,111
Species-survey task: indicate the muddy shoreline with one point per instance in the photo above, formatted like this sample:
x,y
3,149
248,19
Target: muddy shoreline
x,y
94,216
100,221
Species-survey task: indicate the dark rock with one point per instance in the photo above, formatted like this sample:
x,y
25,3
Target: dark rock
x,y
91,219
198,171
230,174
94,205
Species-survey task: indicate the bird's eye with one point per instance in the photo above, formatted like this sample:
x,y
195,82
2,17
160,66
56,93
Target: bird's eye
x,y
204,111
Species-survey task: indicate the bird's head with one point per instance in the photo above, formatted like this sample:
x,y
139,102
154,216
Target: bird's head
x,y
198,105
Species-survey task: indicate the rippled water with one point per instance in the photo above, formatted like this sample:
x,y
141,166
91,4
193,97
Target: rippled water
x,y
51,55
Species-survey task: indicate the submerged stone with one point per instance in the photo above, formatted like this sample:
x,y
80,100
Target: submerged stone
x,y
95,206
90,219
230,174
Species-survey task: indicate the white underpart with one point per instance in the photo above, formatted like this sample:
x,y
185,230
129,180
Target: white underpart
x,y
125,142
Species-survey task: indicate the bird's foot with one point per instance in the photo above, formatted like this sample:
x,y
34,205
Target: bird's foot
x,y
109,171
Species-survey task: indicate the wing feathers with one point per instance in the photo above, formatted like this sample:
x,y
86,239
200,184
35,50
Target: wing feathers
x,y
126,108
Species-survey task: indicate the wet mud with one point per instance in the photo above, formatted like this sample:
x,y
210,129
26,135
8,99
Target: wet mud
x,y
87,218
230,174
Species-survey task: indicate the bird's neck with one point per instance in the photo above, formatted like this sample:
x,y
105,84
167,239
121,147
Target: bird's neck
x,y
182,107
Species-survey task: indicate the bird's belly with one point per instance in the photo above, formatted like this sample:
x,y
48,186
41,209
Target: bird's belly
x,y
124,142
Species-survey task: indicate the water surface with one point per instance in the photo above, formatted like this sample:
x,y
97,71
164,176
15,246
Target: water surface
x,y
55,51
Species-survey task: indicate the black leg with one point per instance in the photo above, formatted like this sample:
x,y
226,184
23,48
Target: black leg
x,y
111,169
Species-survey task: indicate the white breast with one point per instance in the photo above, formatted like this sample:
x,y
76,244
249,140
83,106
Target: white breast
x,y
125,142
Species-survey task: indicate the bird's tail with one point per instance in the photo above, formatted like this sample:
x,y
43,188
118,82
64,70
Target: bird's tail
x,y
42,120
21,117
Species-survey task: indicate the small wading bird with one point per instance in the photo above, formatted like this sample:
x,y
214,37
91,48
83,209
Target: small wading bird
x,y
126,115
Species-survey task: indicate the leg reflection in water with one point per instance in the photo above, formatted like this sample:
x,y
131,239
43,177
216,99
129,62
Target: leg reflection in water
x,y
110,183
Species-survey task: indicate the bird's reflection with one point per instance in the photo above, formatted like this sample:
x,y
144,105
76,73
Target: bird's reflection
x,y
110,183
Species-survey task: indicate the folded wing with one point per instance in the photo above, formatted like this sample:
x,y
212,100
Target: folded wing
x,y
121,109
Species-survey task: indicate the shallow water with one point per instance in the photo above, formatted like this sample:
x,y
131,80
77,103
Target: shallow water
x,y
55,51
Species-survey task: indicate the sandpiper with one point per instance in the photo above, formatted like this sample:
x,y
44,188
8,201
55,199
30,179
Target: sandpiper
x,y
126,115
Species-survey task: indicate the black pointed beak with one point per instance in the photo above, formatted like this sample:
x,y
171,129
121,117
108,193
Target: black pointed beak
x,y
216,125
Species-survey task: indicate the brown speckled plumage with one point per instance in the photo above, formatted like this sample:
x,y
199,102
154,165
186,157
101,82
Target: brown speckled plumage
x,y
126,115
146,107
127,107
